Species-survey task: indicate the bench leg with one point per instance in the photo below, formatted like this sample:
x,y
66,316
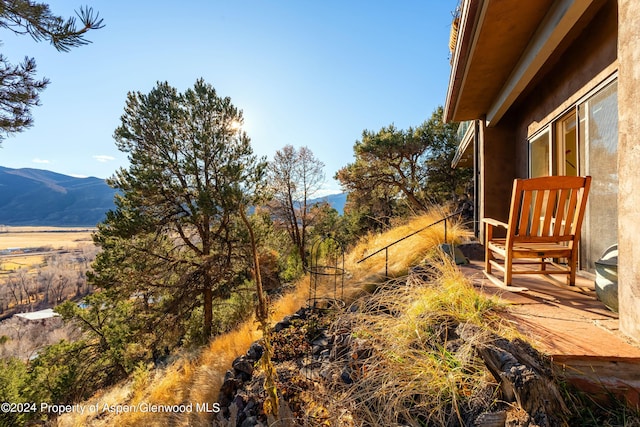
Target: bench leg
x,y
571,277
508,265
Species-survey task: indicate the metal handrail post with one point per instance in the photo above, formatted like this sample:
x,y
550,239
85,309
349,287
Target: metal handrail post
x,y
386,262
445,230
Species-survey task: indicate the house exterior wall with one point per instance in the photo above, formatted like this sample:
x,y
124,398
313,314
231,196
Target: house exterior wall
x,y
504,150
573,72
605,43
497,171
610,44
628,167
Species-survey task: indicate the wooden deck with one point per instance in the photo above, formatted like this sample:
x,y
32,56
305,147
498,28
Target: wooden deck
x,y
574,328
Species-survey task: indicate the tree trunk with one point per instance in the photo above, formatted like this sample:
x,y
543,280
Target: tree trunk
x,y
262,313
262,310
207,309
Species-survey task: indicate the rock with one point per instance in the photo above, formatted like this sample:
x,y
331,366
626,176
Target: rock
x,y
251,406
250,422
323,341
491,419
523,374
345,375
230,384
327,371
255,352
239,402
243,367
283,324
472,250
302,313
341,346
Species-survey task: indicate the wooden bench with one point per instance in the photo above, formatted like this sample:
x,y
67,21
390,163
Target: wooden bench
x,y
544,225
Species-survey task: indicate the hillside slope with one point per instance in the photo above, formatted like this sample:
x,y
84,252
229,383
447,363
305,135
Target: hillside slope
x,y
40,197
200,379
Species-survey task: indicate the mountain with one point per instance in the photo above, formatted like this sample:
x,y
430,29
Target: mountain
x,y
40,197
336,201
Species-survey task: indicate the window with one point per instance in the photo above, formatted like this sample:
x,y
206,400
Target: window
x,y
567,147
598,130
584,141
539,154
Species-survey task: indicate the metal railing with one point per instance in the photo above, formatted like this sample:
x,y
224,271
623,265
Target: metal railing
x,y
386,248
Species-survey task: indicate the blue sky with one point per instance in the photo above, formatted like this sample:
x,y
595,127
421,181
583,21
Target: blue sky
x,y
305,73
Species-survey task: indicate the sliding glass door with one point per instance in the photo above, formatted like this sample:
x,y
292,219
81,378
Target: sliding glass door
x,y
584,141
598,134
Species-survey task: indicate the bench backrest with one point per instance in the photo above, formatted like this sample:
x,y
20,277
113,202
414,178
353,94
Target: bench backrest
x,y
548,209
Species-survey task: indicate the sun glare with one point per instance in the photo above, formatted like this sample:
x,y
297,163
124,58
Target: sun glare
x,y
235,125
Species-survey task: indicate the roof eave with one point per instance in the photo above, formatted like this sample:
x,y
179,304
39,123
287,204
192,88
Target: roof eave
x,y
459,61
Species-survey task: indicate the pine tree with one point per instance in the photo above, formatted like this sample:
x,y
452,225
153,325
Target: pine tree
x,y
192,173
19,87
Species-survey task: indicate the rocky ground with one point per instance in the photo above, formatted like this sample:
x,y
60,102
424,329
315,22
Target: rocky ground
x,y
304,352
319,360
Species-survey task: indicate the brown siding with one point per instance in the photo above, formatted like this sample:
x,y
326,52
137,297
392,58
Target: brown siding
x,y
497,172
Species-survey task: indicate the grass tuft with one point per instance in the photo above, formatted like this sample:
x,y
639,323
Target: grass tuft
x,y
415,370
400,257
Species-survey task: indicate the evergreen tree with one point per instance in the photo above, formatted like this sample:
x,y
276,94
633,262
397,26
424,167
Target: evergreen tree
x,y
412,165
177,238
19,87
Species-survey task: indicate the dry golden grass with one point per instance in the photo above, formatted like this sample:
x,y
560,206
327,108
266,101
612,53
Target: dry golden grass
x,y
199,379
411,372
23,261
195,380
403,255
53,237
49,238
111,397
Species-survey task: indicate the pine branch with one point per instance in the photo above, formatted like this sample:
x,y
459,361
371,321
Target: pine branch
x,y
36,20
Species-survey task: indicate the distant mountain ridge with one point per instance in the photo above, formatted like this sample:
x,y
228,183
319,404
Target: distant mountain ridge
x,y
41,197
336,201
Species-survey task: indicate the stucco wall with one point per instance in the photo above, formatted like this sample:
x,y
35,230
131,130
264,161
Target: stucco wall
x,y
497,172
571,72
628,167
589,50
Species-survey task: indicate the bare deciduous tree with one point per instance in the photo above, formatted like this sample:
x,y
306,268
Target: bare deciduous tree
x,y
60,286
296,176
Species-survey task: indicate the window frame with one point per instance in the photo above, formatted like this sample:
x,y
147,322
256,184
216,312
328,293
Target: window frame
x,y
556,150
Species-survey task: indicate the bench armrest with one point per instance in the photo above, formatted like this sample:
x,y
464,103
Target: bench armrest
x,y
495,222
